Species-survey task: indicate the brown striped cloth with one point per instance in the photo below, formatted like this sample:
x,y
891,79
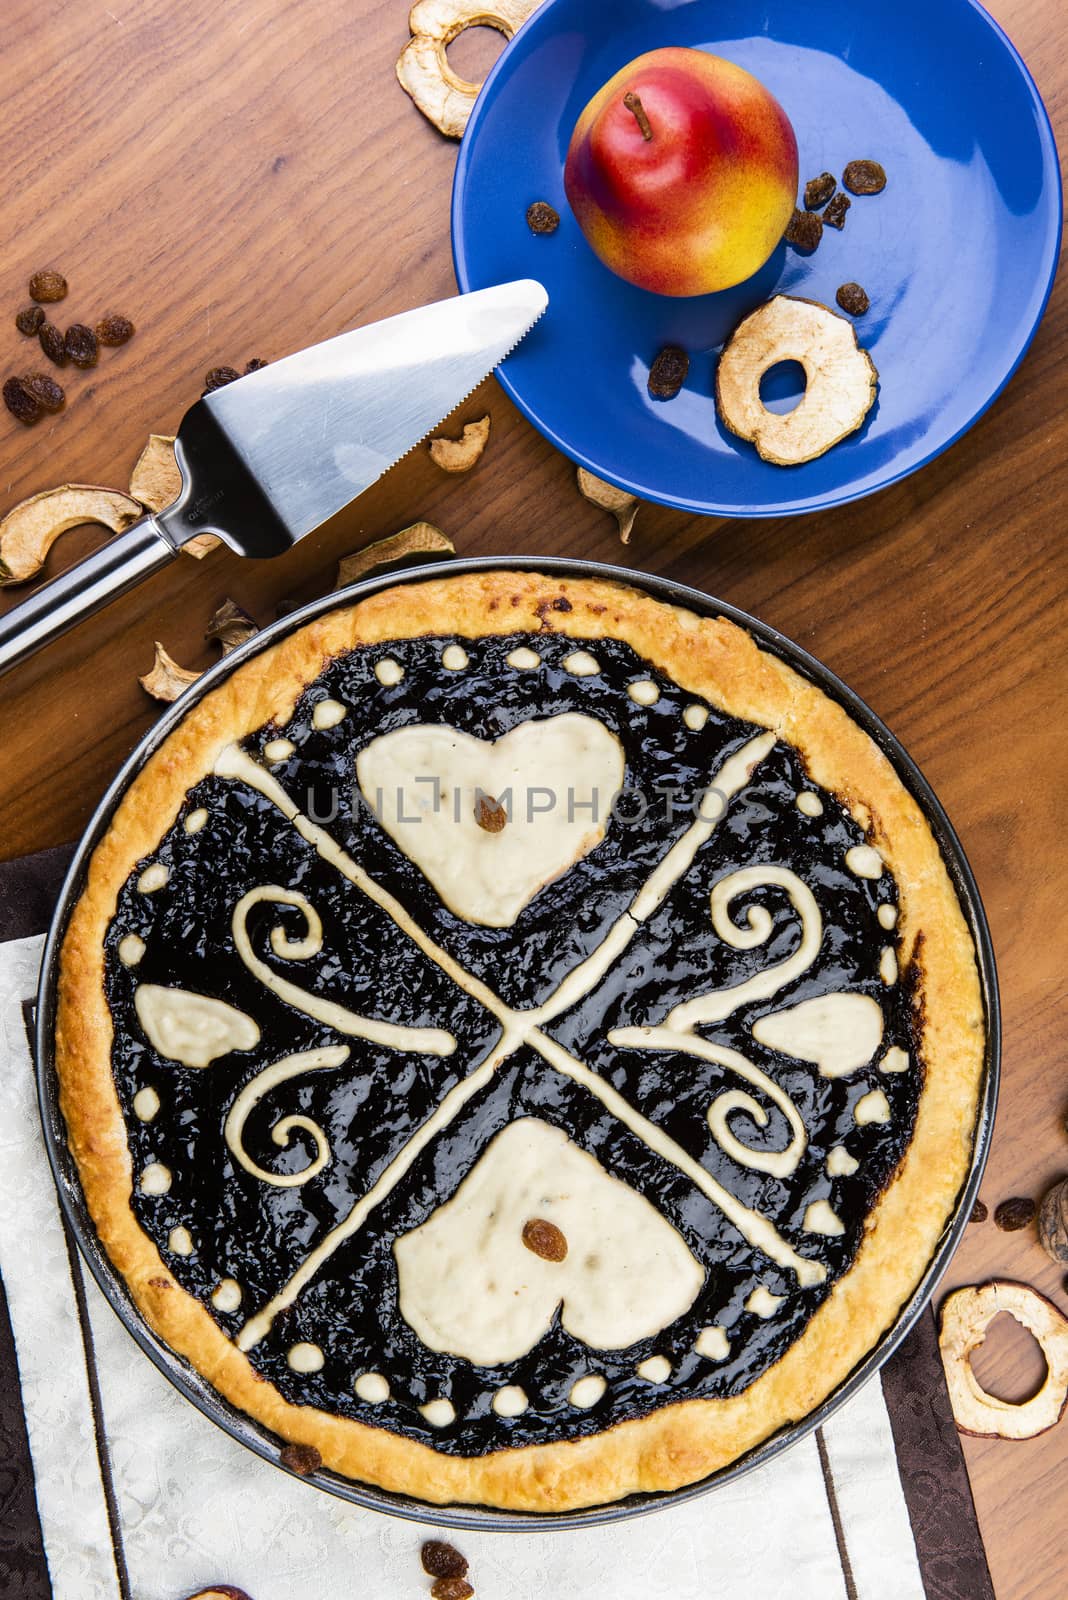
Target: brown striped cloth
x,y
112,1487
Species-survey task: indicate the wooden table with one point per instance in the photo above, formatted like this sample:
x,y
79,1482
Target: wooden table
x,y
245,179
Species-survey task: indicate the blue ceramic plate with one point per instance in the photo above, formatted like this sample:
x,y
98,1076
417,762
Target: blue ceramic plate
x,y
957,253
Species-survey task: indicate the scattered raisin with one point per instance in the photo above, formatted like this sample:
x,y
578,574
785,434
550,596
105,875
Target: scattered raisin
x,y
864,177
852,298
835,214
113,330
255,365
668,372
20,401
29,319
300,1458
1012,1215
441,1560
819,190
979,1212
805,231
52,343
80,345
45,390
542,217
544,1239
451,1589
490,815
48,287
219,377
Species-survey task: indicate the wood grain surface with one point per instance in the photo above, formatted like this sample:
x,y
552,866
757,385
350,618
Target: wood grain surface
x,y
246,178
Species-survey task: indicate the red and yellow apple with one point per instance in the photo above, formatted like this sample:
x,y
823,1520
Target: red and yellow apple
x,y
682,172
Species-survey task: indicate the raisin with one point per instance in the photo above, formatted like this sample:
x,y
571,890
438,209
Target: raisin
x,y
441,1560
52,343
80,345
979,1212
804,232
45,390
113,330
29,319
668,372
48,287
256,365
219,377
835,214
852,298
1012,1215
20,402
544,1239
490,815
864,177
542,217
819,190
451,1589
300,1458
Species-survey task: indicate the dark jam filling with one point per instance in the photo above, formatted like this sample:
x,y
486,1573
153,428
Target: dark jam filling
x,y
369,1107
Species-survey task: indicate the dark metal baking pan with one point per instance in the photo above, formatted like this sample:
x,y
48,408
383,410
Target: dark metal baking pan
x,y
242,1427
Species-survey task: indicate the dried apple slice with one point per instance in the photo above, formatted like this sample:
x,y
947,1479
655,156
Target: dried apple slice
x,y
841,380
423,69
167,679
460,455
32,527
422,538
623,506
157,482
966,1316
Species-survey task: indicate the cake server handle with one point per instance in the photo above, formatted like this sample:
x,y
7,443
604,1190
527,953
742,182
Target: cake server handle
x,y
118,566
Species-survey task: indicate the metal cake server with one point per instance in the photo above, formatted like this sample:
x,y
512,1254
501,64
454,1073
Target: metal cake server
x,y
269,458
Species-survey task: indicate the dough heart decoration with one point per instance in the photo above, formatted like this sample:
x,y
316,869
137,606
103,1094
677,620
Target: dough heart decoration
x,y
471,1287
490,824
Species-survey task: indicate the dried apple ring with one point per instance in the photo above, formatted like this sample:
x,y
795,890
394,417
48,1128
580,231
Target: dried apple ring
x,y
966,1316
840,389
423,69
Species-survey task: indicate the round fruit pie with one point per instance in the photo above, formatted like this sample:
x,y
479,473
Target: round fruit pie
x,y
520,1039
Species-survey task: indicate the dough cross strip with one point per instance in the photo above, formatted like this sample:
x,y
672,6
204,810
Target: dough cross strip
x,y
526,1027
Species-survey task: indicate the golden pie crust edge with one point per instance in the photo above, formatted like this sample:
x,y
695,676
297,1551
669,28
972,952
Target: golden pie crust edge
x,y
712,658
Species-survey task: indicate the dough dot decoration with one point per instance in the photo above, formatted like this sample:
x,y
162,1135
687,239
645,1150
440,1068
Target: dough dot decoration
x,y
586,1392
156,1179
276,751
581,664
712,1343
131,949
227,1296
762,1303
523,659
372,1388
146,1104
511,1401
389,672
305,1357
439,1413
872,1107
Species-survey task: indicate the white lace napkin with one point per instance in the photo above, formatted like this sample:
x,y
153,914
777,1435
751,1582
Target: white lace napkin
x,y
140,1496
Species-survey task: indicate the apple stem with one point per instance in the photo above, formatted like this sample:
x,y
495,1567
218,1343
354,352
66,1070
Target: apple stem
x,y
633,104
